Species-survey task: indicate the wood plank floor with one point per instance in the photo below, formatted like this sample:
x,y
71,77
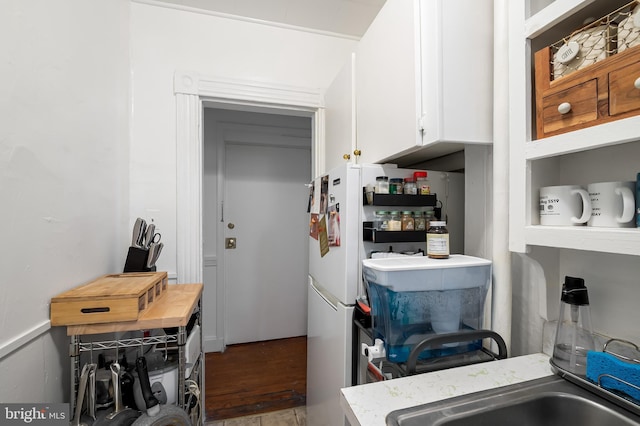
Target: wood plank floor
x,y
291,417
254,378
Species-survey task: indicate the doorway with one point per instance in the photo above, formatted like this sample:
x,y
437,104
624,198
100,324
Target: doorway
x,y
195,93
255,171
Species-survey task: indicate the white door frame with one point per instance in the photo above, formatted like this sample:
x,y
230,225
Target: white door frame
x,y
192,90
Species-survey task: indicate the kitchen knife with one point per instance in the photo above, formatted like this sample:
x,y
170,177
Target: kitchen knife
x,y
154,254
148,235
143,228
158,251
151,253
138,233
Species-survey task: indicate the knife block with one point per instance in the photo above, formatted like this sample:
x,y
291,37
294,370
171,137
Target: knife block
x,y
137,261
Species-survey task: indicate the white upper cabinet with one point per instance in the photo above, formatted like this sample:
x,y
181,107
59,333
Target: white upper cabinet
x,y
424,72
340,117
597,153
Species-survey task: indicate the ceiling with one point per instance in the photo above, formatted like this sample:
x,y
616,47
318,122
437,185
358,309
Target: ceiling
x,y
346,17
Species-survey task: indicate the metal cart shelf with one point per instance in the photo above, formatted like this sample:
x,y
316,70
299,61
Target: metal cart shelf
x,y
173,312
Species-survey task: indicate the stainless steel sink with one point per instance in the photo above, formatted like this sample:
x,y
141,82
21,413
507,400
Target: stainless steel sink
x,y
544,402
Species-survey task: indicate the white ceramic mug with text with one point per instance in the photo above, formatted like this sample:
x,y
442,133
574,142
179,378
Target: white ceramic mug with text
x,y
564,205
612,204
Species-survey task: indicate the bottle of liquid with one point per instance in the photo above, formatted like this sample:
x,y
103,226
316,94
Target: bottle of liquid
x,y
438,240
574,337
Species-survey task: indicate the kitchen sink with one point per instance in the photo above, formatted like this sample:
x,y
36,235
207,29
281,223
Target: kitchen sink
x,y
543,402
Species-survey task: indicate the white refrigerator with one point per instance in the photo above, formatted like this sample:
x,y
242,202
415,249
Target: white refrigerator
x,y
336,250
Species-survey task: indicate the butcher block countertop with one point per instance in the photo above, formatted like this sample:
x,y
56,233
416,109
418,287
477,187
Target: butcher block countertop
x,y
368,405
172,310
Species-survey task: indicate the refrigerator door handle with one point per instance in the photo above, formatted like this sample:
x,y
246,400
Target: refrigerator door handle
x,y
328,297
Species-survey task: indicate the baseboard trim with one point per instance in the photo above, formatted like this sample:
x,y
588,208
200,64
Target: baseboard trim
x,y
213,344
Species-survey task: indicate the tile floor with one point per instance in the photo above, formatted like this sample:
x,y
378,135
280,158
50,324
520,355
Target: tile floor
x,y
292,417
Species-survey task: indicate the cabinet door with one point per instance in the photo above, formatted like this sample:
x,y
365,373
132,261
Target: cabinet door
x,y
340,122
424,75
456,71
387,85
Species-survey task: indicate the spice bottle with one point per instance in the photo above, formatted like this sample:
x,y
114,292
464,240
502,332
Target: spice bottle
x,y
395,222
410,187
381,222
438,240
395,185
419,221
408,223
382,185
422,183
429,216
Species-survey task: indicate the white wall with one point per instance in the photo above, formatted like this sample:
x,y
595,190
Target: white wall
x,y
165,40
63,176
612,282
64,148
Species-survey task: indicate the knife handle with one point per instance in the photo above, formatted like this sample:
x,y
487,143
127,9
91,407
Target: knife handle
x,y
148,235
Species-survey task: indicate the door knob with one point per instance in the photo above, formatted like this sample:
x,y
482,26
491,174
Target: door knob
x,y
231,225
230,243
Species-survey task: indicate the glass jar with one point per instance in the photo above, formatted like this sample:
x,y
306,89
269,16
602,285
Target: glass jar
x,y
395,221
419,221
408,223
410,187
429,216
422,184
382,185
395,185
438,240
381,222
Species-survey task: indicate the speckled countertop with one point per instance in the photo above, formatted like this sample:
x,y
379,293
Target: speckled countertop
x,y
368,405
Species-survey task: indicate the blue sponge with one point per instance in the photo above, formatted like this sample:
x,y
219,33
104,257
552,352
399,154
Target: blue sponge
x,y
604,363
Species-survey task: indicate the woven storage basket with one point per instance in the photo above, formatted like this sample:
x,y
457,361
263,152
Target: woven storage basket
x,y
593,44
629,30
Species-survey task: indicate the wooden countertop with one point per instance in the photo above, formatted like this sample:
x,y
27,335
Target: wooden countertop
x,y
172,310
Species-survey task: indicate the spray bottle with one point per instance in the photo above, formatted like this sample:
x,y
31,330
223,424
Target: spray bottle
x,y
574,337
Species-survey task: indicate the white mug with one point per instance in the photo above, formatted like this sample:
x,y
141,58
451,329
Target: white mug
x,y
564,205
612,204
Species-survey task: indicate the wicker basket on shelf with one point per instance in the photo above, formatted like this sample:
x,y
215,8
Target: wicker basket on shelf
x,y
597,40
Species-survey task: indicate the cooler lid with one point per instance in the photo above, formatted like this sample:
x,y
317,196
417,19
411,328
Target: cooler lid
x,y
412,263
